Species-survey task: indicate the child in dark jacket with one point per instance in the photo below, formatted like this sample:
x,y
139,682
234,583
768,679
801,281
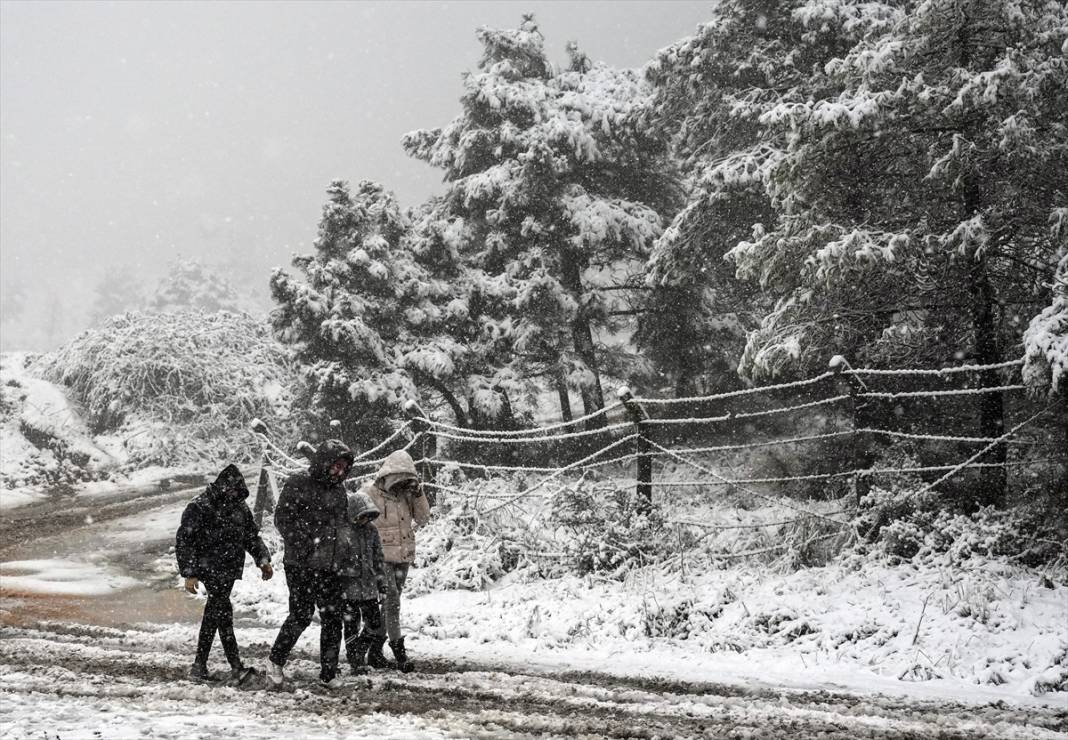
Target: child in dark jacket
x,y
217,530
362,579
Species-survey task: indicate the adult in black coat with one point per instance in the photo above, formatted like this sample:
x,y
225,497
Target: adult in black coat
x,y
217,530
311,510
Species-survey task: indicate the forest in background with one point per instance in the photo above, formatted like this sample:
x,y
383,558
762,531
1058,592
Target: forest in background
x,y
796,181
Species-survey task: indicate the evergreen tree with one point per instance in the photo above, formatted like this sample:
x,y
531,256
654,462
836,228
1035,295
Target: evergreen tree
x,y
709,91
117,291
344,316
553,189
190,284
914,198
465,350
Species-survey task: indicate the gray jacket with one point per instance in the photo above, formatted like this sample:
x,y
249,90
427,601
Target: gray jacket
x,y
360,551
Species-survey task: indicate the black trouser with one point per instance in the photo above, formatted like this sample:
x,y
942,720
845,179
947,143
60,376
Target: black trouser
x,y
308,590
218,617
355,613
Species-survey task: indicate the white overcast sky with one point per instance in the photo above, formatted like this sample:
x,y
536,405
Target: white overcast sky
x,y
132,131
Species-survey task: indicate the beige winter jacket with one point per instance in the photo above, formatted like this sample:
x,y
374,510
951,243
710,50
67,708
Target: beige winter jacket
x,y
400,514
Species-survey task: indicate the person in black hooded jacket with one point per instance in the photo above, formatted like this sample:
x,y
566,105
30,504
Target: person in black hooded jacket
x,y
217,530
311,510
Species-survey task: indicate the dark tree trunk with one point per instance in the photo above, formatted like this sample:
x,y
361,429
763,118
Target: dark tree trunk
x,y
507,418
450,398
991,491
563,395
684,382
582,337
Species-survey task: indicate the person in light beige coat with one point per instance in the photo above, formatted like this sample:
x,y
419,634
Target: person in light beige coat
x,y
398,494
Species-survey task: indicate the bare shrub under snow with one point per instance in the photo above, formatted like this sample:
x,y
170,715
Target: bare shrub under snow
x,y
178,387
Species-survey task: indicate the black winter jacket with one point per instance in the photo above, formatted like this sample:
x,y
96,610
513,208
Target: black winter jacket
x,y
310,510
217,530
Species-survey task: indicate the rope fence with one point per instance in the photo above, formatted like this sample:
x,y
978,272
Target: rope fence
x,y
580,453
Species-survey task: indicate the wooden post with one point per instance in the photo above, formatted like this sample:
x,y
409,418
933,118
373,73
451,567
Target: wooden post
x,y
264,498
640,418
425,447
849,384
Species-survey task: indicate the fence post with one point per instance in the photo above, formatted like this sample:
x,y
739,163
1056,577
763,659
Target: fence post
x,y
848,384
264,500
640,418
425,445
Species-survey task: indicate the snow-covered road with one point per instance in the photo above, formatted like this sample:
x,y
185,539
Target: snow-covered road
x,y
75,682
109,661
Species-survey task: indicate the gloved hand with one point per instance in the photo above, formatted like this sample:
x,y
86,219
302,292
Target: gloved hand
x,y
191,584
381,587
267,571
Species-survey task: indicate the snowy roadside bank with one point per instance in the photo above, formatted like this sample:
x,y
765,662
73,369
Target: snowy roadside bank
x,y
891,630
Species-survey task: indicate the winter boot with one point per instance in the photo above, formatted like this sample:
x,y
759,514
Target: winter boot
x,y
358,655
397,646
199,673
375,658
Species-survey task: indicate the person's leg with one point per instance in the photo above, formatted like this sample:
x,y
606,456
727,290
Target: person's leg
x,y
208,627
396,640
350,622
392,602
219,591
328,599
395,576
390,607
371,616
301,608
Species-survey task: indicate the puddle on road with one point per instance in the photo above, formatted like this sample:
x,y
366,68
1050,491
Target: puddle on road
x,y
116,609
128,547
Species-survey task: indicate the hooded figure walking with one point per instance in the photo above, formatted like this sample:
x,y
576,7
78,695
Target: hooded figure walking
x,y
362,579
398,494
217,530
311,512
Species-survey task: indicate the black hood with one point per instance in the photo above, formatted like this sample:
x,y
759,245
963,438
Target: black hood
x,y
328,452
230,479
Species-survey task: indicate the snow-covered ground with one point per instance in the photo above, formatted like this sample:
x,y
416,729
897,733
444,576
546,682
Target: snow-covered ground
x,y
97,637
47,450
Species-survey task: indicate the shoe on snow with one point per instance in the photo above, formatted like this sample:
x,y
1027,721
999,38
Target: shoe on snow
x,y
275,676
401,654
239,676
375,658
332,685
199,673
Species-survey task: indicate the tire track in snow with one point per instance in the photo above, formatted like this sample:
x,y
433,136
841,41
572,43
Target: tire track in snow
x,y
466,700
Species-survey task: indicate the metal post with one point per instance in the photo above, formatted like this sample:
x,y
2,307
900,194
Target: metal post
x,y
849,384
640,418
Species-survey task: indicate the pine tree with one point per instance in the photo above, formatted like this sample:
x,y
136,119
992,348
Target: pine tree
x,y
465,352
190,284
117,291
344,317
554,189
710,89
913,199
